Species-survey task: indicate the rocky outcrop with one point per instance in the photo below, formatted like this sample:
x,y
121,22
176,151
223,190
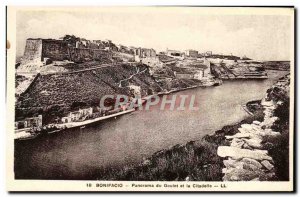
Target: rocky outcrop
x,y
245,157
239,153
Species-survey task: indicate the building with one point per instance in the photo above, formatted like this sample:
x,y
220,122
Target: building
x,y
148,52
66,119
143,52
199,74
86,111
37,49
29,122
77,115
202,73
191,53
208,53
174,53
146,56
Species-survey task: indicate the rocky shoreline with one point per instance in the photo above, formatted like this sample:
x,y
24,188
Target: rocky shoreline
x,y
255,149
247,160
250,155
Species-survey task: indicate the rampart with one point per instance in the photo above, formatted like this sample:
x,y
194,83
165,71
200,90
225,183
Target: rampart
x,y
87,54
33,51
36,50
56,50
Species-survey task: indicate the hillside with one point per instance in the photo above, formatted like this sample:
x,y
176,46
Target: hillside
x,y
56,94
277,65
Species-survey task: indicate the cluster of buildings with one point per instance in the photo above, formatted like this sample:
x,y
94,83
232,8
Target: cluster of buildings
x,y
199,72
80,50
137,51
28,123
175,53
81,114
71,48
96,44
139,54
108,45
190,53
36,122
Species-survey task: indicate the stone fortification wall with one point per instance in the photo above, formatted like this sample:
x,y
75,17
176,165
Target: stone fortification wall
x,y
58,50
33,51
124,56
87,54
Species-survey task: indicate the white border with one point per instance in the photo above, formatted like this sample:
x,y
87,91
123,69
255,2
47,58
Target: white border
x,y
55,2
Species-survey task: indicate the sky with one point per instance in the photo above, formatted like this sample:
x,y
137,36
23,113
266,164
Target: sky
x,y
260,37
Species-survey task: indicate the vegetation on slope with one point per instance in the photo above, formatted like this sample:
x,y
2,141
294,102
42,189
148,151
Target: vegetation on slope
x,y
54,95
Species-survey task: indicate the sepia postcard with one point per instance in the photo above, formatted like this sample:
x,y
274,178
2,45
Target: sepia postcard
x,y
160,99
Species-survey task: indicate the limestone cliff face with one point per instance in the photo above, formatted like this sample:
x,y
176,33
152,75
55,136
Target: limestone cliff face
x,y
280,91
